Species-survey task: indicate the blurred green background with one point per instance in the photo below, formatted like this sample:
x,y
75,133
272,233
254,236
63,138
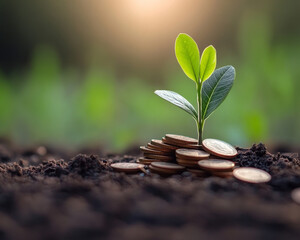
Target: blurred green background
x,y
79,73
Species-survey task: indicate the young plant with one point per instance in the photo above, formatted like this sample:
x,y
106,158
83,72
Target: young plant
x,y
212,85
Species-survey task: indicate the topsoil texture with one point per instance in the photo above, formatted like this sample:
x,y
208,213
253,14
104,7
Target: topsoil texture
x,y
45,197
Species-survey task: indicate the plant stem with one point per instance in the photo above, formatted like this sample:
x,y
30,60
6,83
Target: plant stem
x,y
200,124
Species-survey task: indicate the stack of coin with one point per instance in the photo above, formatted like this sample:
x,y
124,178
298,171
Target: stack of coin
x,y
217,167
153,153
180,141
166,168
190,157
164,150
189,154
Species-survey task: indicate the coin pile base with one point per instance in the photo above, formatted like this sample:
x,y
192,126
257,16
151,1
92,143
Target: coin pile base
x,y
164,150
187,153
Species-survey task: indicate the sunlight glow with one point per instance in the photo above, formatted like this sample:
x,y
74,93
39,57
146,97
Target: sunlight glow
x,y
151,8
145,30
148,4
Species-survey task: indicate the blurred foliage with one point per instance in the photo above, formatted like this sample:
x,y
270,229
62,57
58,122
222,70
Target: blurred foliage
x,y
65,107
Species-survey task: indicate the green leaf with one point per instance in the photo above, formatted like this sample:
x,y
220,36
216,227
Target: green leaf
x,y
177,100
215,89
208,62
188,56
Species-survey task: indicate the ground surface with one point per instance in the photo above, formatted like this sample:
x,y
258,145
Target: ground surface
x,y
45,197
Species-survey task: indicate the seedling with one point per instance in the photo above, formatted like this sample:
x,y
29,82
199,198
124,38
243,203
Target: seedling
x,y
212,85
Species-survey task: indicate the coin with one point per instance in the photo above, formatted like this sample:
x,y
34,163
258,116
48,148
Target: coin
x,y
192,146
187,161
198,172
180,139
296,195
162,171
187,164
166,165
127,167
226,174
147,161
177,145
251,175
216,164
152,151
161,144
160,157
157,148
191,154
219,148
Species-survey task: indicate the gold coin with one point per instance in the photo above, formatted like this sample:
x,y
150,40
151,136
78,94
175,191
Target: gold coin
x,y
167,165
181,139
216,164
160,157
152,151
161,144
127,167
251,175
192,154
219,148
296,195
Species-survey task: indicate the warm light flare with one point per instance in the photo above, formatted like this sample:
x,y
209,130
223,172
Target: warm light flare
x,y
144,30
148,4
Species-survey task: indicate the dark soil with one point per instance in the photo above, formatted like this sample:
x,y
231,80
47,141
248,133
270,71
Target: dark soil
x,y
46,195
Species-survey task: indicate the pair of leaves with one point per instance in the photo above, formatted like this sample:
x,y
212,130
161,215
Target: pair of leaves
x,y
214,91
188,57
216,84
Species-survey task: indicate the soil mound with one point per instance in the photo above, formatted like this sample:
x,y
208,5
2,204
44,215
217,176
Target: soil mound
x,y
285,170
86,165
